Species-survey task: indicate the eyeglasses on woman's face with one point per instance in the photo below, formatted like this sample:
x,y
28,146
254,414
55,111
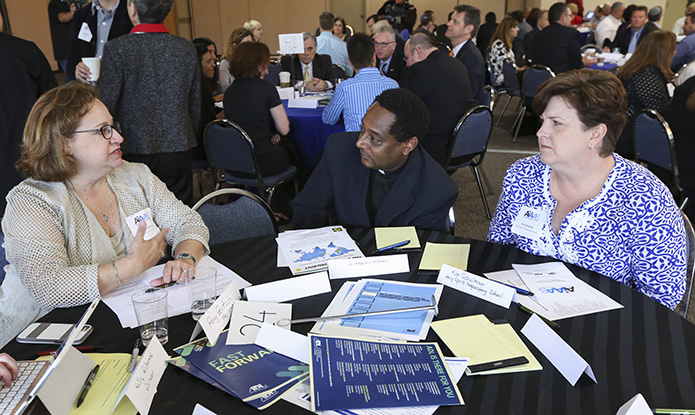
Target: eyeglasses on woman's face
x,y
106,130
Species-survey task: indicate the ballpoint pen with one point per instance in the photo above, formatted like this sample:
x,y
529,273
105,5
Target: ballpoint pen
x,y
392,246
549,322
134,357
518,289
160,287
665,411
87,385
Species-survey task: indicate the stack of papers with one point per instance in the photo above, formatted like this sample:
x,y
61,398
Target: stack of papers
x,y
389,236
370,295
486,344
305,251
557,292
436,255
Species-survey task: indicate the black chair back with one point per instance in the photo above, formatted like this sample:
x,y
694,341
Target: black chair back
x,y
336,72
511,82
471,137
533,78
229,147
273,74
654,141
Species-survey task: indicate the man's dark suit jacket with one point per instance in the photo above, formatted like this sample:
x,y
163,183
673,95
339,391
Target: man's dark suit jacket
x,y
25,74
442,83
321,67
622,38
79,48
528,44
470,56
557,47
397,69
485,33
420,196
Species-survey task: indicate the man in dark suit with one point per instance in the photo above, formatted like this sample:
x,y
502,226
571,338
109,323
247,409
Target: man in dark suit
x,y
389,61
315,70
442,83
25,74
530,36
379,176
86,38
628,39
557,46
462,26
485,33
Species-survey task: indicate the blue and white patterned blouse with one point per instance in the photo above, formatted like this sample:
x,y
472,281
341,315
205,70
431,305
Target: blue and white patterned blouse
x,y
632,231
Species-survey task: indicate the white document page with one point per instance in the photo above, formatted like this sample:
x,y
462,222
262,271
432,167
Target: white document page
x,y
552,281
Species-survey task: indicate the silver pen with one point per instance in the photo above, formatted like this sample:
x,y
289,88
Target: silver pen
x,y
134,357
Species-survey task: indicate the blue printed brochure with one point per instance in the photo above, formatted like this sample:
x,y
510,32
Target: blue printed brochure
x,y
305,251
356,374
246,371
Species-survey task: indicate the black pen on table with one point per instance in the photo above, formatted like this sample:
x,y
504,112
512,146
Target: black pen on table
x,y
87,385
160,287
549,322
134,357
392,246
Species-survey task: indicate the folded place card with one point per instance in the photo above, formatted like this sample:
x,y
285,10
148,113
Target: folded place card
x,y
286,93
366,267
558,352
476,286
635,406
248,316
216,318
291,43
143,383
285,342
310,103
290,288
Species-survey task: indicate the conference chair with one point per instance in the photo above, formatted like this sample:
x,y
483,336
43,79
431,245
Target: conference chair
x,y
246,217
534,76
686,308
451,222
489,96
336,72
511,86
273,75
590,46
230,149
684,73
469,144
654,145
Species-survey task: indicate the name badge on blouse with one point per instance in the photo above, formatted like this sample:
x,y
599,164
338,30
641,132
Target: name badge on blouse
x,y
85,34
529,222
146,216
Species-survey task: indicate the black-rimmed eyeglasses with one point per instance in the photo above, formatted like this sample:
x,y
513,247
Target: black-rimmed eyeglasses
x,y
106,131
382,44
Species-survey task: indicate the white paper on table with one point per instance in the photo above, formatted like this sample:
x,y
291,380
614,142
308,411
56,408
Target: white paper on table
x,y
201,410
286,93
247,317
142,385
365,267
636,406
308,103
300,395
216,318
290,288
61,389
570,364
476,286
291,43
283,341
552,281
119,300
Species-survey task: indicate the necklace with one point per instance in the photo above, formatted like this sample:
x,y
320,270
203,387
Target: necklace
x,y
103,214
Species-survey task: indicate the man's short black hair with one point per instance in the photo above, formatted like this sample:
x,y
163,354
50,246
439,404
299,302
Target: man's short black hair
x,y
326,20
517,15
556,11
472,16
360,49
490,17
374,17
412,118
152,11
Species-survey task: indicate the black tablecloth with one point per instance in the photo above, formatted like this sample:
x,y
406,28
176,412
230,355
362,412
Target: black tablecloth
x,y
643,347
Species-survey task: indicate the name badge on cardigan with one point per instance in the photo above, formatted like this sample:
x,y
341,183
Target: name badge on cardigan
x,y
529,222
144,215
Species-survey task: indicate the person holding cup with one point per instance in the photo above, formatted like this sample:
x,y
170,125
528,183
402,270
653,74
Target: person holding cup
x,y
85,222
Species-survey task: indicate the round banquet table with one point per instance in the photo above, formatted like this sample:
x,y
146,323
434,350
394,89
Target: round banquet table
x,y
309,133
643,347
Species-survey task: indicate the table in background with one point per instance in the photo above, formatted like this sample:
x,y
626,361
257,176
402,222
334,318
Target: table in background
x,y
309,133
642,348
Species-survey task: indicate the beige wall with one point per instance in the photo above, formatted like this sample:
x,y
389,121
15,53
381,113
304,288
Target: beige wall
x,y
29,20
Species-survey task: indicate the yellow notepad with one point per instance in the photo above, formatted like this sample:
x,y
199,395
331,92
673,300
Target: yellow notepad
x,y
435,255
390,236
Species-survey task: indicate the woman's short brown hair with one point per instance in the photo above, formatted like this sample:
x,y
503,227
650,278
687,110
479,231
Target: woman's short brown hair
x,y
597,96
50,124
247,58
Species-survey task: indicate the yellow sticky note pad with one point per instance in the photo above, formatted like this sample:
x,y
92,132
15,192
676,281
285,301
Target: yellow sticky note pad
x,y
435,255
390,236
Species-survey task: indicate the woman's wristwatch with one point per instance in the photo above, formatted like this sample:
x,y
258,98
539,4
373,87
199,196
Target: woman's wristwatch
x,y
186,255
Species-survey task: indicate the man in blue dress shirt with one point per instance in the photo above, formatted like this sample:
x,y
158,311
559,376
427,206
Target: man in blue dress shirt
x,y
354,96
685,50
331,45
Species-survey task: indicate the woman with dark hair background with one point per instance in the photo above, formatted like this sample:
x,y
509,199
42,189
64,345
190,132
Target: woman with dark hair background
x,y
209,89
340,29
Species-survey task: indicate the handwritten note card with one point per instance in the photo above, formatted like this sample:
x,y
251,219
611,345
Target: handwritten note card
x,y
476,286
247,318
143,384
364,267
216,318
291,43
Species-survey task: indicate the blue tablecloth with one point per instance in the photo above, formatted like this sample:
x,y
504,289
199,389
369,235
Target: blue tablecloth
x,y
605,67
309,133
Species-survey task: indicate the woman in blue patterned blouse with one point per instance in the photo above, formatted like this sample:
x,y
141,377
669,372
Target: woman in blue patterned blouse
x,y
581,203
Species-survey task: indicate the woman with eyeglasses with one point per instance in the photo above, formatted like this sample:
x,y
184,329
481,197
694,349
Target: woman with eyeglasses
x,y
75,228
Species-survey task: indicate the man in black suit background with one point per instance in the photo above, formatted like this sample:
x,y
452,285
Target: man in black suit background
x,y
315,70
389,61
485,32
462,27
627,39
557,46
88,36
530,36
442,83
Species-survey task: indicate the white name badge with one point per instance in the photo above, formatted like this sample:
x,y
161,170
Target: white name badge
x,y
85,34
144,215
529,222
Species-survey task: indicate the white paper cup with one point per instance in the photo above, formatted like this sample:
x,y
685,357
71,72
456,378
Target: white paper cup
x,y
284,79
94,65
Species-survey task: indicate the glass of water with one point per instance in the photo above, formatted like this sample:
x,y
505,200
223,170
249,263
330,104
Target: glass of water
x,y
151,310
201,283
